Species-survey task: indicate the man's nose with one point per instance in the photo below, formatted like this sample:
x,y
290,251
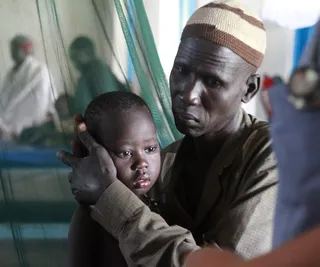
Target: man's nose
x,y
191,96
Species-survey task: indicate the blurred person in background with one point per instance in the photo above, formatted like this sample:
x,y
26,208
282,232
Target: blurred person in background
x,y
53,133
27,93
96,76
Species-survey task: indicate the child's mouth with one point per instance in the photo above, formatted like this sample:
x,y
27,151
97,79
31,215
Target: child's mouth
x,y
143,181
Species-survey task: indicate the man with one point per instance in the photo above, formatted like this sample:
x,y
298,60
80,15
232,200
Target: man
x,y
295,136
219,182
27,94
96,77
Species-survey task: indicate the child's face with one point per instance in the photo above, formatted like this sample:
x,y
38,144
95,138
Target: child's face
x,y
131,139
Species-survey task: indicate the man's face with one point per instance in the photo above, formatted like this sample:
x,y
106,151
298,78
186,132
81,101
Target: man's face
x,y
207,85
17,53
131,138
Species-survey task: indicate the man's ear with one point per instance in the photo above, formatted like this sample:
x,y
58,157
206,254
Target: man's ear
x,y
253,86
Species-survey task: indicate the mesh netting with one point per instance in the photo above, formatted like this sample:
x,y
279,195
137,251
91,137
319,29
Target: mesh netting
x,y
117,45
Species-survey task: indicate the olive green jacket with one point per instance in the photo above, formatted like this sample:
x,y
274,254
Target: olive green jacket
x,y
235,211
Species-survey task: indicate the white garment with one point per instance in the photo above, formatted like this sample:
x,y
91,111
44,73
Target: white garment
x,y
26,98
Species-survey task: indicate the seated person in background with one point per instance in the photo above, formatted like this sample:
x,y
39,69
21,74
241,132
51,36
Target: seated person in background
x,y
95,77
27,94
123,123
55,132
65,120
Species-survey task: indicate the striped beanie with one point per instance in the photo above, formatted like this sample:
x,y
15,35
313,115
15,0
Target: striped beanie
x,y
231,24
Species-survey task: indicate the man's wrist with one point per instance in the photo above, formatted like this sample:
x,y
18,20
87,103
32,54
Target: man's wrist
x,y
110,180
104,189
115,207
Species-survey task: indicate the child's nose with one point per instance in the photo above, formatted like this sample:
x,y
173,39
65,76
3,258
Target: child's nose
x,y
141,164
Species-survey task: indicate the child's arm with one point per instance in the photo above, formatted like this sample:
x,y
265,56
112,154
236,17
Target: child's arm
x,y
82,239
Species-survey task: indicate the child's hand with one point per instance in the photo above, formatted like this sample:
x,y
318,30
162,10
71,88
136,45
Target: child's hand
x,y
91,175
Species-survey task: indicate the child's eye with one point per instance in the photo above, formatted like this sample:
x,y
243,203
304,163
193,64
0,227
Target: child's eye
x,y
151,149
125,154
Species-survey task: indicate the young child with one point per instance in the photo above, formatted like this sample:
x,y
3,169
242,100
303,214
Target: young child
x,y
123,124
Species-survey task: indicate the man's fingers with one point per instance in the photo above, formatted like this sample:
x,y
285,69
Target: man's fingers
x,y
78,149
78,118
86,139
67,158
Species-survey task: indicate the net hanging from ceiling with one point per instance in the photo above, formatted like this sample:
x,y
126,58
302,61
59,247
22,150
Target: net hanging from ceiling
x,y
115,36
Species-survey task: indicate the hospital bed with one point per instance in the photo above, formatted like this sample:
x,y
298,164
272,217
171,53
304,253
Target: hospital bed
x,y
36,206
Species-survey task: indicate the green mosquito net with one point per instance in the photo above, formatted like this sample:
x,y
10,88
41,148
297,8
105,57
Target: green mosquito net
x,y
87,47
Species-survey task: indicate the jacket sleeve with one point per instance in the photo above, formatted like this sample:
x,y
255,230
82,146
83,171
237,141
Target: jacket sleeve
x,y
246,226
145,239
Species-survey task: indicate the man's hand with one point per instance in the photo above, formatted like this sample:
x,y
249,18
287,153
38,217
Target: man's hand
x,y
92,174
78,148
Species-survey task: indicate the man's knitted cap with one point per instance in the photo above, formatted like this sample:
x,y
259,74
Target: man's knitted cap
x,y
231,24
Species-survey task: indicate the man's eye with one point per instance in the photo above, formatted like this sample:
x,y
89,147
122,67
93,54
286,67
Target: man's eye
x,y
212,82
151,149
182,70
125,154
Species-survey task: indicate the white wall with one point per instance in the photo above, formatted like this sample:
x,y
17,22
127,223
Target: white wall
x,y
165,18
278,59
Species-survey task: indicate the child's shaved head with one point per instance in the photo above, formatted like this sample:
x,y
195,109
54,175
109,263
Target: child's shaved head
x,y
111,102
